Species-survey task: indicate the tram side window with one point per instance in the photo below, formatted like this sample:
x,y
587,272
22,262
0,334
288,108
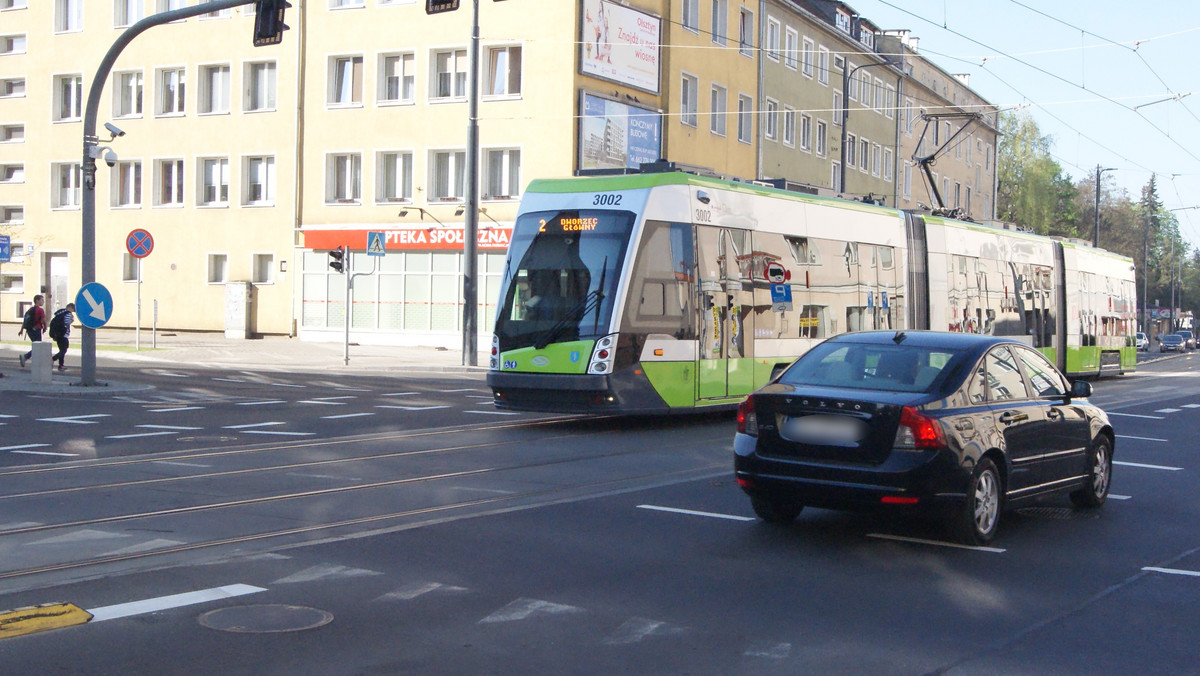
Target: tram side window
x,y
662,281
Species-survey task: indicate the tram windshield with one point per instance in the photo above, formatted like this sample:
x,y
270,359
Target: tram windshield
x,y
561,277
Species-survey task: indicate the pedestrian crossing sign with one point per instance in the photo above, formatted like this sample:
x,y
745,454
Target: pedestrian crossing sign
x,y
375,244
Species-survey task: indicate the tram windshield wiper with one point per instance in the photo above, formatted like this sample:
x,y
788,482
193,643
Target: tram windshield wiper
x,y
571,318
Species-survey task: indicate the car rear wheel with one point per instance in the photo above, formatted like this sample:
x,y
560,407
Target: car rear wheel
x,y
1095,489
773,510
979,517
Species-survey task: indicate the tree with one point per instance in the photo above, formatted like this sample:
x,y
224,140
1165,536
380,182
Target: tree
x,y
1033,190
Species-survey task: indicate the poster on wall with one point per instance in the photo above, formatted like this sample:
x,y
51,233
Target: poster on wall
x,y
613,135
620,44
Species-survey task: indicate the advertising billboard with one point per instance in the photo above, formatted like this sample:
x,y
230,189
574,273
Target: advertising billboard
x,y
620,44
614,135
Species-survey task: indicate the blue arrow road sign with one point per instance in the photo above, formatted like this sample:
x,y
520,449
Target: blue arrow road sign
x,y
93,305
5,249
375,244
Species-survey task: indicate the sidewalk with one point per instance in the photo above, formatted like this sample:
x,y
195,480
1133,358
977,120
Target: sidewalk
x,y
213,350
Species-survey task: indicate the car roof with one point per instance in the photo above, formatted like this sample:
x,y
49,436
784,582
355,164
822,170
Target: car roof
x,y
928,339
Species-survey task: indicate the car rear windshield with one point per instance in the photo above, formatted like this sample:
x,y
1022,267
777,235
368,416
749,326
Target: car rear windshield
x,y
890,368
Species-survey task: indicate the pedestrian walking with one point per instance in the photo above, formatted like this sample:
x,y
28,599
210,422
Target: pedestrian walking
x,y
33,324
60,333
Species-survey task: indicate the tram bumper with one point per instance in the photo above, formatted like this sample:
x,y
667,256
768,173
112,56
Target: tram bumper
x,y
570,393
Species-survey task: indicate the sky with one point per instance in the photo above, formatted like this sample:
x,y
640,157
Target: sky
x,y
1113,83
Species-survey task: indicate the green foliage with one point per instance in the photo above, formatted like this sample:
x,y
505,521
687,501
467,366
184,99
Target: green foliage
x,y
1033,191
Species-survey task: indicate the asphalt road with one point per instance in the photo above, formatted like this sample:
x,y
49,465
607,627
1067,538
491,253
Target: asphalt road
x,y
421,533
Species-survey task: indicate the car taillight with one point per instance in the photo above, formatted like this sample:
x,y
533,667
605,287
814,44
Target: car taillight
x,y
918,431
747,419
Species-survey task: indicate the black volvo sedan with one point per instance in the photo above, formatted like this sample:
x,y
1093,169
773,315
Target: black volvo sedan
x,y
959,426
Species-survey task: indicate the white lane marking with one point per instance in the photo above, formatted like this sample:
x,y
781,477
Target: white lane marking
x,y
1135,415
1144,466
170,374
174,601
7,415
327,403
149,545
287,385
260,403
775,651
344,396
282,434
351,389
1190,406
711,515
1167,410
399,394
50,453
524,608
414,589
76,419
635,629
229,380
1113,496
1128,436
138,435
185,464
493,412
22,446
324,572
79,536
345,415
173,410
412,408
938,543
1172,571
466,389
14,525
479,396
249,425
168,427
324,476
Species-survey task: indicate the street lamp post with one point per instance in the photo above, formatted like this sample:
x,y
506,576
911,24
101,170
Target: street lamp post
x,y
1096,232
846,77
470,346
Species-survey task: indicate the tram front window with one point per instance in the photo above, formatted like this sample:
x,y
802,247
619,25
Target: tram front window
x,y
561,280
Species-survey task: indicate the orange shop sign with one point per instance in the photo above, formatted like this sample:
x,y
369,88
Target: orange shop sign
x,y
409,239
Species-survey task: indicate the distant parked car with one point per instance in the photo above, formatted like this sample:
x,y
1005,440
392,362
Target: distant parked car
x,y
1189,340
1142,342
1172,342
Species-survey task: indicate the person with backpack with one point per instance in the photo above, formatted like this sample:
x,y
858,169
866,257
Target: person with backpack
x,y
33,325
60,333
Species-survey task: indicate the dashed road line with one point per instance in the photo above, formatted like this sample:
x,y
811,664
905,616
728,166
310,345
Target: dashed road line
x,y
1112,496
170,427
301,387
176,409
49,453
229,380
345,415
1135,415
410,408
1172,571
318,401
690,512
174,601
138,435
76,419
1128,436
399,394
524,608
260,403
1190,406
280,433
249,425
1168,410
22,447
936,543
1145,466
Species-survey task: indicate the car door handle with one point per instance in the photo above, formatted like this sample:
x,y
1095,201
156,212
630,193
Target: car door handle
x,y
1010,417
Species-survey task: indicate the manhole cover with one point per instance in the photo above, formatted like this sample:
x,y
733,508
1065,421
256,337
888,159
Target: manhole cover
x,y
265,619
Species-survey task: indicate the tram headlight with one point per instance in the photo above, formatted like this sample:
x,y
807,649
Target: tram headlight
x,y
494,362
603,354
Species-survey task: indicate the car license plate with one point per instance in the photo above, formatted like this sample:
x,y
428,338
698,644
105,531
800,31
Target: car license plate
x,y
824,429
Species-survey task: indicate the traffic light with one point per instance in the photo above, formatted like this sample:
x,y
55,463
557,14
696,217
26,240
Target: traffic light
x,y
337,259
268,22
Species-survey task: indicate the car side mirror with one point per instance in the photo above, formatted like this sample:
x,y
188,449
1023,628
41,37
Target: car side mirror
x,y
1081,389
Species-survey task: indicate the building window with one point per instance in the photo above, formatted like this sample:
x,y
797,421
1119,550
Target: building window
x,y
68,177
263,268
170,91
13,4
12,88
688,89
852,85
343,179
345,83
68,98
218,268
837,108
806,132
169,181
345,4
214,182
12,173
127,184
503,71
791,48
835,176
127,97
773,38
889,102
717,110
449,167
843,21
68,16
887,164
807,56
260,86
219,14
906,180
864,155
130,267
720,21
450,74
745,118
168,5
771,120
908,117
397,78
502,175
691,15
260,181
746,32
214,89
823,65
12,282
851,150
822,138
879,91
876,159
789,126
12,215
395,177
12,133
12,44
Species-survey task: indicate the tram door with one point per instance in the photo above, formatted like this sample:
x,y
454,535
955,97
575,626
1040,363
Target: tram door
x,y
726,306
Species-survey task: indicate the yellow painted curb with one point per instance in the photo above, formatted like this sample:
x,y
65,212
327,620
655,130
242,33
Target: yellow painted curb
x,y
41,618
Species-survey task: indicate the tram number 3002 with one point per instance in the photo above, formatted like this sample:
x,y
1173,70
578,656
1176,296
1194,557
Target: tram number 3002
x,y
605,199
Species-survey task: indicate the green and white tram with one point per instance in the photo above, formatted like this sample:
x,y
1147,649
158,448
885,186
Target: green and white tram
x,y
670,292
